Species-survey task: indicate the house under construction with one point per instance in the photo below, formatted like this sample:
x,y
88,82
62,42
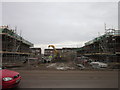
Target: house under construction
x,y
104,48
13,47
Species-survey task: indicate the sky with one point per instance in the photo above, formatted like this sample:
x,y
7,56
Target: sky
x,y
63,24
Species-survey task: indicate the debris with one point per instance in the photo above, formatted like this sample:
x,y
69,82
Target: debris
x,y
80,66
98,65
51,65
60,66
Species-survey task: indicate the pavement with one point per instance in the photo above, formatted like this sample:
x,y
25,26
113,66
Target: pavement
x,y
68,79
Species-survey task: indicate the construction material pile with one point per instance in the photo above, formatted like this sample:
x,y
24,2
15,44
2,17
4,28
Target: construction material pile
x,y
60,66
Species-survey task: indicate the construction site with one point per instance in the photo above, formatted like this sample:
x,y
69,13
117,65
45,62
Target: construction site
x,y
16,51
14,48
59,44
105,48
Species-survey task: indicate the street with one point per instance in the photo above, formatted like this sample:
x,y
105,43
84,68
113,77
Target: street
x,y
68,79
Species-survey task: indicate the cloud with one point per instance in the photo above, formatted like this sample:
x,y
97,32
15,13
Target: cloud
x,y
44,23
1,13
71,44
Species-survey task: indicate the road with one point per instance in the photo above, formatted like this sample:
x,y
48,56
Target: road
x,y
68,79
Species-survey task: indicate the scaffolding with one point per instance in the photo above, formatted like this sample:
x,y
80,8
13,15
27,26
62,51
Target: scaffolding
x,y
105,47
14,47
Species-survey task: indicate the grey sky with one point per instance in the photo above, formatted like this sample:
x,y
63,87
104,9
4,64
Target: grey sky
x,y
61,23
0,13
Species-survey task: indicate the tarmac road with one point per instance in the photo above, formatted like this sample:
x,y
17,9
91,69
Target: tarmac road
x,y
68,79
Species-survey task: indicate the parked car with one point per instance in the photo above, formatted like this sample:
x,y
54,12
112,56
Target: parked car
x,y
10,79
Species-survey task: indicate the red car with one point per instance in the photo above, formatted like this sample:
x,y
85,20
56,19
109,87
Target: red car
x,y
10,79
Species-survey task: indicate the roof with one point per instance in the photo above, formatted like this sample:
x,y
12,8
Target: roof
x,y
115,33
10,32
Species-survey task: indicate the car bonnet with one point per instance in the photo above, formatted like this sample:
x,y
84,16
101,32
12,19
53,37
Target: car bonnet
x,y
8,73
